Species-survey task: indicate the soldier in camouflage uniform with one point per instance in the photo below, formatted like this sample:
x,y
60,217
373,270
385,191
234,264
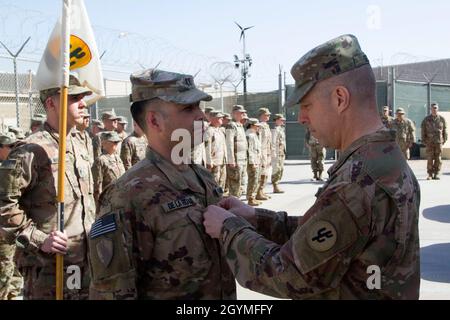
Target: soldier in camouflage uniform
x,y
278,152
28,208
110,121
108,167
121,128
84,139
254,160
386,118
149,241
265,136
317,154
133,147
434,136
236,151
11,281
216,149
360,239
405,129
37,121
225,122
18,132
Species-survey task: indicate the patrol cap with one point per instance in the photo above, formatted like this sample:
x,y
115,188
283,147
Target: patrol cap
x,y
38,118
109,115
123,120
216,114
265,111
328,60
209,109
18,132
401,111
7,138
239,108
386,108
227,116
97,123
75,88
168,86
279,116
111,136
254,122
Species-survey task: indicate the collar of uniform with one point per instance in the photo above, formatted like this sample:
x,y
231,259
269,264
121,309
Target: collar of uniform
x,y
170,171
380,135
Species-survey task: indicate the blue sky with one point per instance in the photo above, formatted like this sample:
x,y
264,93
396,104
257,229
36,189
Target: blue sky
x,y
192,31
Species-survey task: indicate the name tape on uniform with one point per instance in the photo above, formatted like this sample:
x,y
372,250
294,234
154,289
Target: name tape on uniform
x,y
179,204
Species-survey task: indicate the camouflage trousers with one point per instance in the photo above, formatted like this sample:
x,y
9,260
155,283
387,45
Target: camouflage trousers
x,y
11,282
234,177
220,175
278,169
253,175
434,158
317,156
39,283
266,165
404,147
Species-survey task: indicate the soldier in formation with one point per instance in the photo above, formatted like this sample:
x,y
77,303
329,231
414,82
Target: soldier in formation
x,y
254,160
405,132
216,158
133,147
265,136
434,136
317,154
278,152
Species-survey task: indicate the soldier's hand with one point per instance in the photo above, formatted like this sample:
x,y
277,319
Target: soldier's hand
x,y
213,220
237,207
56,242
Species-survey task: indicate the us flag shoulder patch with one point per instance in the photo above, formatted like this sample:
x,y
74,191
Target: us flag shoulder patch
x,y
104,225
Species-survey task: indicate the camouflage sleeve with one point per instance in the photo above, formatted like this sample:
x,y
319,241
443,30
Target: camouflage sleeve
x,y
208,147
17,174
444,130
277,227
126,154
230,137
307,266
252,152
412,129
423,132
97,172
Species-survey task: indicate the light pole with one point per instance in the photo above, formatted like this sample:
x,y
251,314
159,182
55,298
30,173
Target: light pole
x,y
245,63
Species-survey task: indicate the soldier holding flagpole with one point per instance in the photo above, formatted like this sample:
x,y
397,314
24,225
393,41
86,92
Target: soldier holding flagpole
x,y
46,198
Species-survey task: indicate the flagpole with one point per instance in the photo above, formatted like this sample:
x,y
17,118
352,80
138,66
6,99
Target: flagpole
x,y
65,69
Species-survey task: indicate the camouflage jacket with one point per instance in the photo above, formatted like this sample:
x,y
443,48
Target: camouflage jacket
x,y
366,216
133,150
265,136
28,207
85,141
406,131
236,143
254,148
97,145
434,130
279,142
387,120
311,141
215,147
150,243
107,169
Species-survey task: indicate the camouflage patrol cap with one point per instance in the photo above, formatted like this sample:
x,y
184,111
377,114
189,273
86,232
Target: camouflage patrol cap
x,y
216,114
38,119
7,138
18,132
265,111
330,59
168,86
111,136
75,88
227,116
239,108
109,115
400,111
386,108
97,123
254,122
279,116
208,110
123,120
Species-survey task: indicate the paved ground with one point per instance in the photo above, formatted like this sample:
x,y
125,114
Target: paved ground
x,y
434,223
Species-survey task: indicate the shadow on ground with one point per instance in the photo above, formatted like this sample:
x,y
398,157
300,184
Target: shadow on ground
x,y
439,213
435,262
301,182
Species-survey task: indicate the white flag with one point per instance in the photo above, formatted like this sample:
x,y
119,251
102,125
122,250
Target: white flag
x,y
84,57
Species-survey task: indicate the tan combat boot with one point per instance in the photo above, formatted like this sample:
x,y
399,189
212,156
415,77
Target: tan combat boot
x,y
260,194
276,188
319,176
263,184
253,202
